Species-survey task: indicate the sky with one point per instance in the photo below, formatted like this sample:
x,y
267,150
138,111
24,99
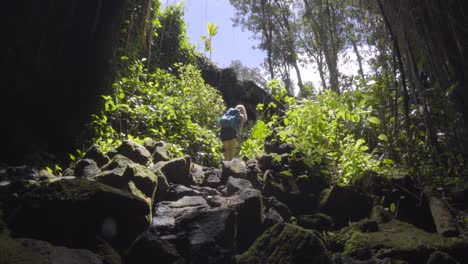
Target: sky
x,y
231,43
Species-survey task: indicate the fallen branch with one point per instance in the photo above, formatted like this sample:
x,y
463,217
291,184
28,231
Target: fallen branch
x,y
444,222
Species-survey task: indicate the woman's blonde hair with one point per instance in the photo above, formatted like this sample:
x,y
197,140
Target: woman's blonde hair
x,y
242,109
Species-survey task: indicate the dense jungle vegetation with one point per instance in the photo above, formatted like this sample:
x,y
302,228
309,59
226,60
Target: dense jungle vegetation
x,y
397,113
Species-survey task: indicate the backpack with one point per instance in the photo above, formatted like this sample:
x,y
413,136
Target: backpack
x,y
229,119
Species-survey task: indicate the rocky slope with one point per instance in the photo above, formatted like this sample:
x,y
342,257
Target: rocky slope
x,y
139,204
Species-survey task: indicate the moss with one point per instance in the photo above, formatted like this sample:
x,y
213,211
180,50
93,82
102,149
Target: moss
x,y
286,243
72,190
398,240
12,252
145,180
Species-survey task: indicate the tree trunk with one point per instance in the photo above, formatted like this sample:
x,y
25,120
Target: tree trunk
x,y
267,32
359,59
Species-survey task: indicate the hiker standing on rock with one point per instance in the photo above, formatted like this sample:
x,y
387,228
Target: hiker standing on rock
x,y
232,123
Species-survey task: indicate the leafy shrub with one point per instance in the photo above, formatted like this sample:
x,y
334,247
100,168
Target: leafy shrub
x,y
327,130
182,110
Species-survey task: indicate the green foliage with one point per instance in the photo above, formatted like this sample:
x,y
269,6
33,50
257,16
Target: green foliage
x,y
56,170
170,43
328,130
181,110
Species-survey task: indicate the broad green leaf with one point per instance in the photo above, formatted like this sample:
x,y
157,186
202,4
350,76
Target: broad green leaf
x,y
388,162
383,137
374,120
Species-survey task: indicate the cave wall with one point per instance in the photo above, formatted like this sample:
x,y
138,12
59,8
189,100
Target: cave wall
x,y
235,92
435,33
57,57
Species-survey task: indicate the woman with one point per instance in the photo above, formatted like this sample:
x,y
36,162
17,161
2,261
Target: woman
x,y
230,135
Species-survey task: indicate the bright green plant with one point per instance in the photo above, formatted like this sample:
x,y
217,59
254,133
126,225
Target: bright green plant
x,y
212,29
181,109
327,130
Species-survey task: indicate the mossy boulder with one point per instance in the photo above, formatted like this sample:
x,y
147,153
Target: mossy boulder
x,y
145,180
118,164
286,243
134,151
124,174
398,240
73,212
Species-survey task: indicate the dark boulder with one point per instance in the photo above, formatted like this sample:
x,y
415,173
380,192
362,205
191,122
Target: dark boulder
x,y
254,174
149,248
178,191
314,184
72,212
234,185
206,191
95,153
51,254
176,170
283,186
346,204
281,208
84,168
249,208
234,168
319,222
439,257
212,178
209,235
134,151
272,217
265,162
11,193
16,173
166,213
